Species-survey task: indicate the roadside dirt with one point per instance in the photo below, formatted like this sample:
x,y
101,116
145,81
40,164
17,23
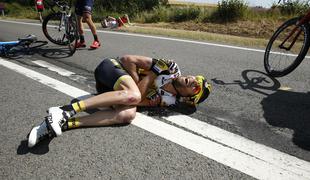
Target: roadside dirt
x,y
259,29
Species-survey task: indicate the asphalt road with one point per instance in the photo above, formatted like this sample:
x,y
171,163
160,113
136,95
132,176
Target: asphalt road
x,y
244,101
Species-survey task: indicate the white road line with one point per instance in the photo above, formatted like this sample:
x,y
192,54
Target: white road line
x,y
223,146
53,83
223,154
242,144
54,68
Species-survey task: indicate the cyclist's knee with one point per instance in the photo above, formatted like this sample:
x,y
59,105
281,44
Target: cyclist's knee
x,y
126,116
131,97
86,17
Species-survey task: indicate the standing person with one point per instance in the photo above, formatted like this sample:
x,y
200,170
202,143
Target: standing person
x,y
83,8
40,7
120,85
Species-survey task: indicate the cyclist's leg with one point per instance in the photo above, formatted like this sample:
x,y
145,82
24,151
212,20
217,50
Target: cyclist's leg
x,y
79,13
106,117
124,91
123,99
80,25
125,96
87,17
122,88
40,14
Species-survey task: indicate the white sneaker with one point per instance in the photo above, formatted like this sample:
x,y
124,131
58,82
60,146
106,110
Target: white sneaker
x,y
57,118
38,133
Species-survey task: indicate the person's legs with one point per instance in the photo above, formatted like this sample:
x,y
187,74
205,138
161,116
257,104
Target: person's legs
x,y
79,13
88,19
118,90
81,42
126,93
127,96
107,117
40,14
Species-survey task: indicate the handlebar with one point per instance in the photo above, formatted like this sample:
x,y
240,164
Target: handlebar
x,y
62,4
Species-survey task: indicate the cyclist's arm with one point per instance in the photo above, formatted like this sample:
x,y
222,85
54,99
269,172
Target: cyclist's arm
x,y
131,63
144,84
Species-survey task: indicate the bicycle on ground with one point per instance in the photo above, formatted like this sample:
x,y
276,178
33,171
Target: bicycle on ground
x,y
60,27
288,46
22,45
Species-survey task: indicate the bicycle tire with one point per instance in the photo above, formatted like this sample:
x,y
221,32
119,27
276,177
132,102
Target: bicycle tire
x,y
49,27
301,51
73,34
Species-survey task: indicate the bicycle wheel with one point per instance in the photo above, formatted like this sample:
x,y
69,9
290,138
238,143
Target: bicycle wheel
x,y
280,59
72,33
53,28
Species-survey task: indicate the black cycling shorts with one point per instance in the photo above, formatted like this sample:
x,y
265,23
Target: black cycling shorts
x,y
84,6
109,74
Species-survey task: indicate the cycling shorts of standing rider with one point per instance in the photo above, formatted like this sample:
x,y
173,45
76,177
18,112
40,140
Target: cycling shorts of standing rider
x,y
84,6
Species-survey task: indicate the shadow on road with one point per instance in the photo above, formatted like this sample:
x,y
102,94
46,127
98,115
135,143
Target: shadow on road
x,y
290,110
168,111
41,148
284,109
43,49
253,80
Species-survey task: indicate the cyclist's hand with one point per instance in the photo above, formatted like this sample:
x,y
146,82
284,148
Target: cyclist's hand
x,y
162,66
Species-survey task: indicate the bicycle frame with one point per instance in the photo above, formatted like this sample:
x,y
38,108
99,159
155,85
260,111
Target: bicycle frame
x,y
7,45
65,10
303,20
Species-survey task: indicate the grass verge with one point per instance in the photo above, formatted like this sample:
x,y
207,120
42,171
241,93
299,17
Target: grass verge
x,y
182,34
198,36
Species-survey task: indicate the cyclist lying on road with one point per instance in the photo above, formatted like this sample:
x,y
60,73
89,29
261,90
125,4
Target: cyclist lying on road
x,y
123,85
115,22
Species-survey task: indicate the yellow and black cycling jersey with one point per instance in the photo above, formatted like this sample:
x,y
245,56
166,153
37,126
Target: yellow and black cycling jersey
x,y
157,90
110,72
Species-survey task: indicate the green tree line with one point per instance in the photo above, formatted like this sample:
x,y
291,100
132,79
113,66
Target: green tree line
x,y
161,11
118,6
